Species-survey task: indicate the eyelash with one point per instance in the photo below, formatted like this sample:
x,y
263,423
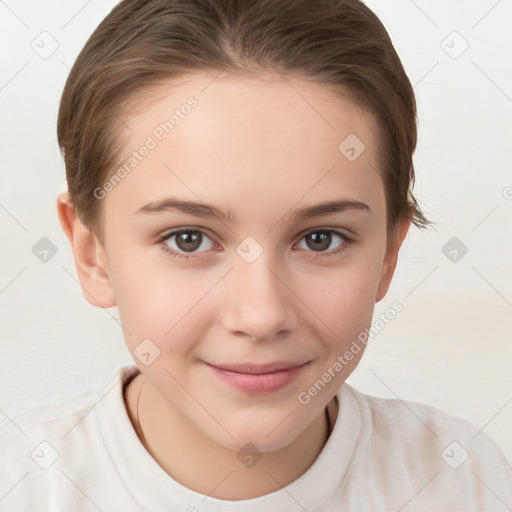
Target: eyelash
x,y
182,256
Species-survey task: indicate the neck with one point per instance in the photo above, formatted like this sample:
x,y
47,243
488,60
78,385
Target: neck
x,y
200,464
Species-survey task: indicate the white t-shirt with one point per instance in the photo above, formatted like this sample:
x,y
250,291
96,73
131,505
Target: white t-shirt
x,y
83,455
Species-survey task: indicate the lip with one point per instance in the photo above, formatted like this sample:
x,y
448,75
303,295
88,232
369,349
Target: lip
x,y
257,369
258,379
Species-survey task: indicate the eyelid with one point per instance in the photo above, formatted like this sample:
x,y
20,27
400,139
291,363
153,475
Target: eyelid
x,y
341,231
177,230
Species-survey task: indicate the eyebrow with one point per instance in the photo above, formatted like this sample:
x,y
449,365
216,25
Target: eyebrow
x,y
208,210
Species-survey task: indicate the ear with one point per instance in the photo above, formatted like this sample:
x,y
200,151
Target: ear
x,y
391,257
89,255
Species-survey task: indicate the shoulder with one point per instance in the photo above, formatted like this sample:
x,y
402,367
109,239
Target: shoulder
x,y
419,447
48,417
410,421
36,436
40,446
55,418
31,444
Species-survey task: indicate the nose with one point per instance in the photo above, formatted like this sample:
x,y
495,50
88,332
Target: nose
x,y
259,302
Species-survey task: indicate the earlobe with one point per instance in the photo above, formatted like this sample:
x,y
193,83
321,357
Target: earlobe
x,y
89,256
391,258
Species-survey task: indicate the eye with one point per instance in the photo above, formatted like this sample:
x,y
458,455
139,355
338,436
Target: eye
x,y
320,239
186,241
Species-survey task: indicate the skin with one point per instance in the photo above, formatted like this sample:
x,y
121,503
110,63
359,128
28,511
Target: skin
x,y
260,147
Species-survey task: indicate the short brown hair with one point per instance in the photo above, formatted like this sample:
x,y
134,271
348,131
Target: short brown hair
x,y
341,44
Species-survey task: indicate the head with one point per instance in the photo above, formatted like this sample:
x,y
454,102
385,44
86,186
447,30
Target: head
x,y
261,110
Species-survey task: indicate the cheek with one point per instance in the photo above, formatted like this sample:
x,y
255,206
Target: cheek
x,y
343,298
343,308
159,302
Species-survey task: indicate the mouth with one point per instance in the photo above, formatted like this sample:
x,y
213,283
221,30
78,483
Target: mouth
x,y
258,369
258,378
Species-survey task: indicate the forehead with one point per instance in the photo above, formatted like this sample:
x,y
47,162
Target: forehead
x,y
235,138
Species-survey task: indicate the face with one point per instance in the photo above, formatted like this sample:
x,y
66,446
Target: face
x,y
259,284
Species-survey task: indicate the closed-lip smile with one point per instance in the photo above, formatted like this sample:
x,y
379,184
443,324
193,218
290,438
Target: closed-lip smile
x,y
257,379
258,369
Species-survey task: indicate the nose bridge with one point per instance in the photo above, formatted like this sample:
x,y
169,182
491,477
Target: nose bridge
x,y
259,303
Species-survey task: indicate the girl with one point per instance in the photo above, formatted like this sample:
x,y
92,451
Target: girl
x,y
275,140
